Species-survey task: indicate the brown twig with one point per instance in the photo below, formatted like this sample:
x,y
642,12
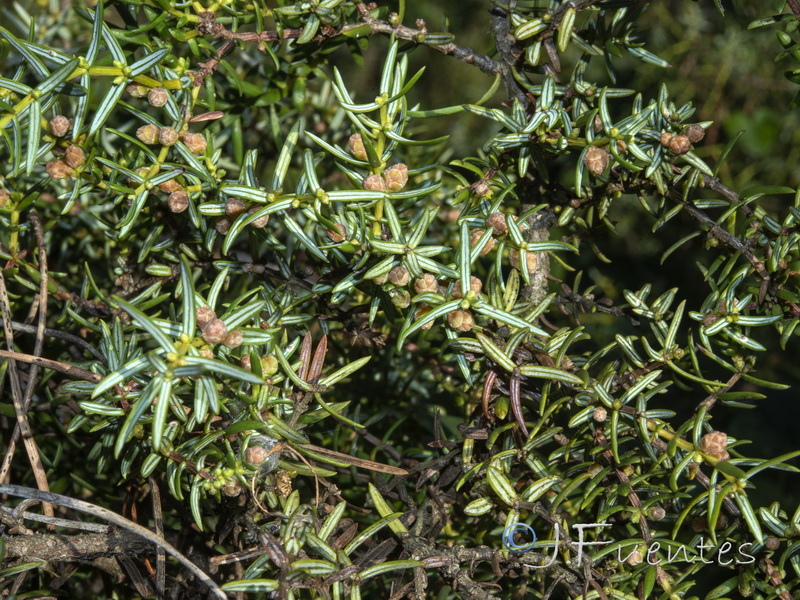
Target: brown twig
x,y
158,522
794,6
46,363
63,335
714,396
19,407
729,240
207,25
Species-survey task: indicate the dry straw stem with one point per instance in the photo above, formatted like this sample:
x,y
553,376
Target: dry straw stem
x,y
21,403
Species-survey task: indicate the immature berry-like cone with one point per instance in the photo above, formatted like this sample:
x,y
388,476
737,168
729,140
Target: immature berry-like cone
x,y
599,414
167,136
137,90
253,268
232,489
356,145
245,362
399,276
423,310
58,169
215,331
497,221
178,201
260,221
657,513
666,138
622,146
427,283
234,207
475,286
169,186
256,455
596,160
5,198
714,443
699,524
461,320
381,279
204,316
475,237
338,233
680,144
396,177
157,97
222,225
141,172
148,133
234,339
594,469
195,143
772,543
401,299
695,133
269,365
530,258
481,188
75,157
374,183
635,558
59,126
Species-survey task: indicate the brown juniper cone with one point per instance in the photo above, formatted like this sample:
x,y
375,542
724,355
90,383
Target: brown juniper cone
x,y
423,310
427,283
195,143
356,146
204,316
148,134
215,332
460,320
374,183
695,133
234,339
399,276
59,126
338,233
679,144
596,160
475,237
178,201
167,136
74,156
58,169
169,186
715,444
261,221
475,286
234,207
396,177
497,221
157,97
137,90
